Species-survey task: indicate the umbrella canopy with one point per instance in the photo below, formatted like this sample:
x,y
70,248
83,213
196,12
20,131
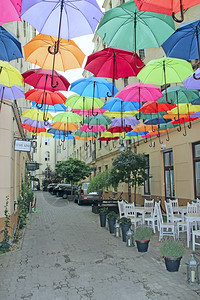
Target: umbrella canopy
x,y
114,63
185,109
141,127
116,104
150,115
97,120
66,19
183,120
67,117
115,129
35,123
125,121
166,7
64,126
51,108
119,114
43,134
42,79
95,111
47,97
107,139
135,134
155,107
68,57
9,75
92,87
167,126
10,11
191,82
10,45
35,114
165,70
13,92
83,103
156,121
57,131
63,136
184,42
92,128
128,28
33,129
111,135
81,133
140,92
179,94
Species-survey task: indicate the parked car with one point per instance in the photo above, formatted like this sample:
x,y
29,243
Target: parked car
x,y
50,187
63,190
82,196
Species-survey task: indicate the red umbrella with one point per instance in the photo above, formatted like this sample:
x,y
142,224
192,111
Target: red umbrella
x,y
155,107
114,63
33,128
114,129
47,97
42,79
94,128
166,7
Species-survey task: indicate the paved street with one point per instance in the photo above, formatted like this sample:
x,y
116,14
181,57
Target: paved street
x,y
65,254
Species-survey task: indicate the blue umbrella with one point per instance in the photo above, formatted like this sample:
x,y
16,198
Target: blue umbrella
x,y
63,136
156,121
56,131
10,46
196,102
118,105
50,108
184,42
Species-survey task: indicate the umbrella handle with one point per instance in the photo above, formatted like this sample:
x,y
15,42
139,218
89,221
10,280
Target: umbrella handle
x,y
196,78
135,60
158,135
53,86
184,133
189,125
90,128
114,145
113,89
167,138
86,146
64,148
182,16
179,128
145,140
39,106
59,143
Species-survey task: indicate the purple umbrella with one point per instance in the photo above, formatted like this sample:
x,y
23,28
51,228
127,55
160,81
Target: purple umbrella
x,y
125,121
191,82
38,124
12,93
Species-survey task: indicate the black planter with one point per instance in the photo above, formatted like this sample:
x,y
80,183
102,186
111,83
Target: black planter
x,y
142,246
102,220
172,263
111,224
125,228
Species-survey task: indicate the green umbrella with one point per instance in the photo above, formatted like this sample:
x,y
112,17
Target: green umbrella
x,y
84,133
67,117
151,115
167,126
128,28
98,120
84,103
179,94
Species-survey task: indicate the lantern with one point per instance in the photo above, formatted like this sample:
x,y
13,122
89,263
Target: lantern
x,y
117,232
129,238
192,270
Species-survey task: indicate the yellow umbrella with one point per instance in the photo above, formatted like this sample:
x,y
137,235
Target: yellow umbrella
x,y
185,108
38,51
9,75
108,134
35,114
43,134
118,114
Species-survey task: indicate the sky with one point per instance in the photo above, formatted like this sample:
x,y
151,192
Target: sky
x,y
86,45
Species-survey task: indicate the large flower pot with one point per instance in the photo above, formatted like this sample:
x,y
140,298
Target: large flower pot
x,y
102,220
111,224
124,228
142,246
172,263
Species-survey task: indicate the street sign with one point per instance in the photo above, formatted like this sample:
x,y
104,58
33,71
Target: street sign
x,y
21,145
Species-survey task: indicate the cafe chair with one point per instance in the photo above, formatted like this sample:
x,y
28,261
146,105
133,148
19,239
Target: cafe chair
x,y
195,234
171,216
152,220
130,212
121,207
165,228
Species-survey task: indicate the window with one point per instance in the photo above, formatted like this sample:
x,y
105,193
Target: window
x,y
47,141
58,149
47,156
100,144
106,167
90,148
99,169
147,182
125,81
196,162
122,2
169,174
142,54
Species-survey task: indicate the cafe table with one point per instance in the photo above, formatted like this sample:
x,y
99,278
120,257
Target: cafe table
x,y
141,210
191,218
181,210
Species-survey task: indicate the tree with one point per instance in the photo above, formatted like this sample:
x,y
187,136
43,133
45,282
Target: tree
x,y
72,170
99,182
130,168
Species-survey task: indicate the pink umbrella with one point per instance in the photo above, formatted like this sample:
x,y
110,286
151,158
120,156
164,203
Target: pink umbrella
x,y
88,112
93,128
10,11
42,79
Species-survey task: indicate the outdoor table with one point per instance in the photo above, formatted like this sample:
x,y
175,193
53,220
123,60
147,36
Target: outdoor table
x,y
142,210
189,219
180,209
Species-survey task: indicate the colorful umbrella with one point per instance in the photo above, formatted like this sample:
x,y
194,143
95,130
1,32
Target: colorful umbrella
x,y
33,129
66,19
119,129
155,107
10,11
150,115
114,63
12,93
83,103
63,137
179,94
191,82
42,79
10,45
35,114
92,128
97,120
107,139
166,7
67,117
116,104
51,108
96,111
64,126
125,121
128,28
47,97
141,127
57,131
36,123
84,134
119,114
9,75
184,42
156,121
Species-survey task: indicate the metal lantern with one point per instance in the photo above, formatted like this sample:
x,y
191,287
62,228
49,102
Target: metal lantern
x,y
129,238
192,270
117,231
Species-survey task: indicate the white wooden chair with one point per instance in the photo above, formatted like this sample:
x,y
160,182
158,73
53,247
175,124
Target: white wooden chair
x,y
165,228
121,207
171,217
149,205
175,205
192,208
152,220
195,234
131,213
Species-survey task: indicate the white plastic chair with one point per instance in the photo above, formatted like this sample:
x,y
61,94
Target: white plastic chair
x,y
165,228
152,220
130,212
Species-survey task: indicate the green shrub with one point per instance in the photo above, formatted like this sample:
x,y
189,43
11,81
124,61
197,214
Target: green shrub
x,y
171,248
124,220
103,210
142,233
112,215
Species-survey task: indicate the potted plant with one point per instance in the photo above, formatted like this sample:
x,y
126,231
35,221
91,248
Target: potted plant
x,y
142,236
111,216
172,250
102,214
125,224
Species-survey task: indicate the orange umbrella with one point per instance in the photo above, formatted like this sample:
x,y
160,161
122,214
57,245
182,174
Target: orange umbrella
x,y
65,126
141,127
85,138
